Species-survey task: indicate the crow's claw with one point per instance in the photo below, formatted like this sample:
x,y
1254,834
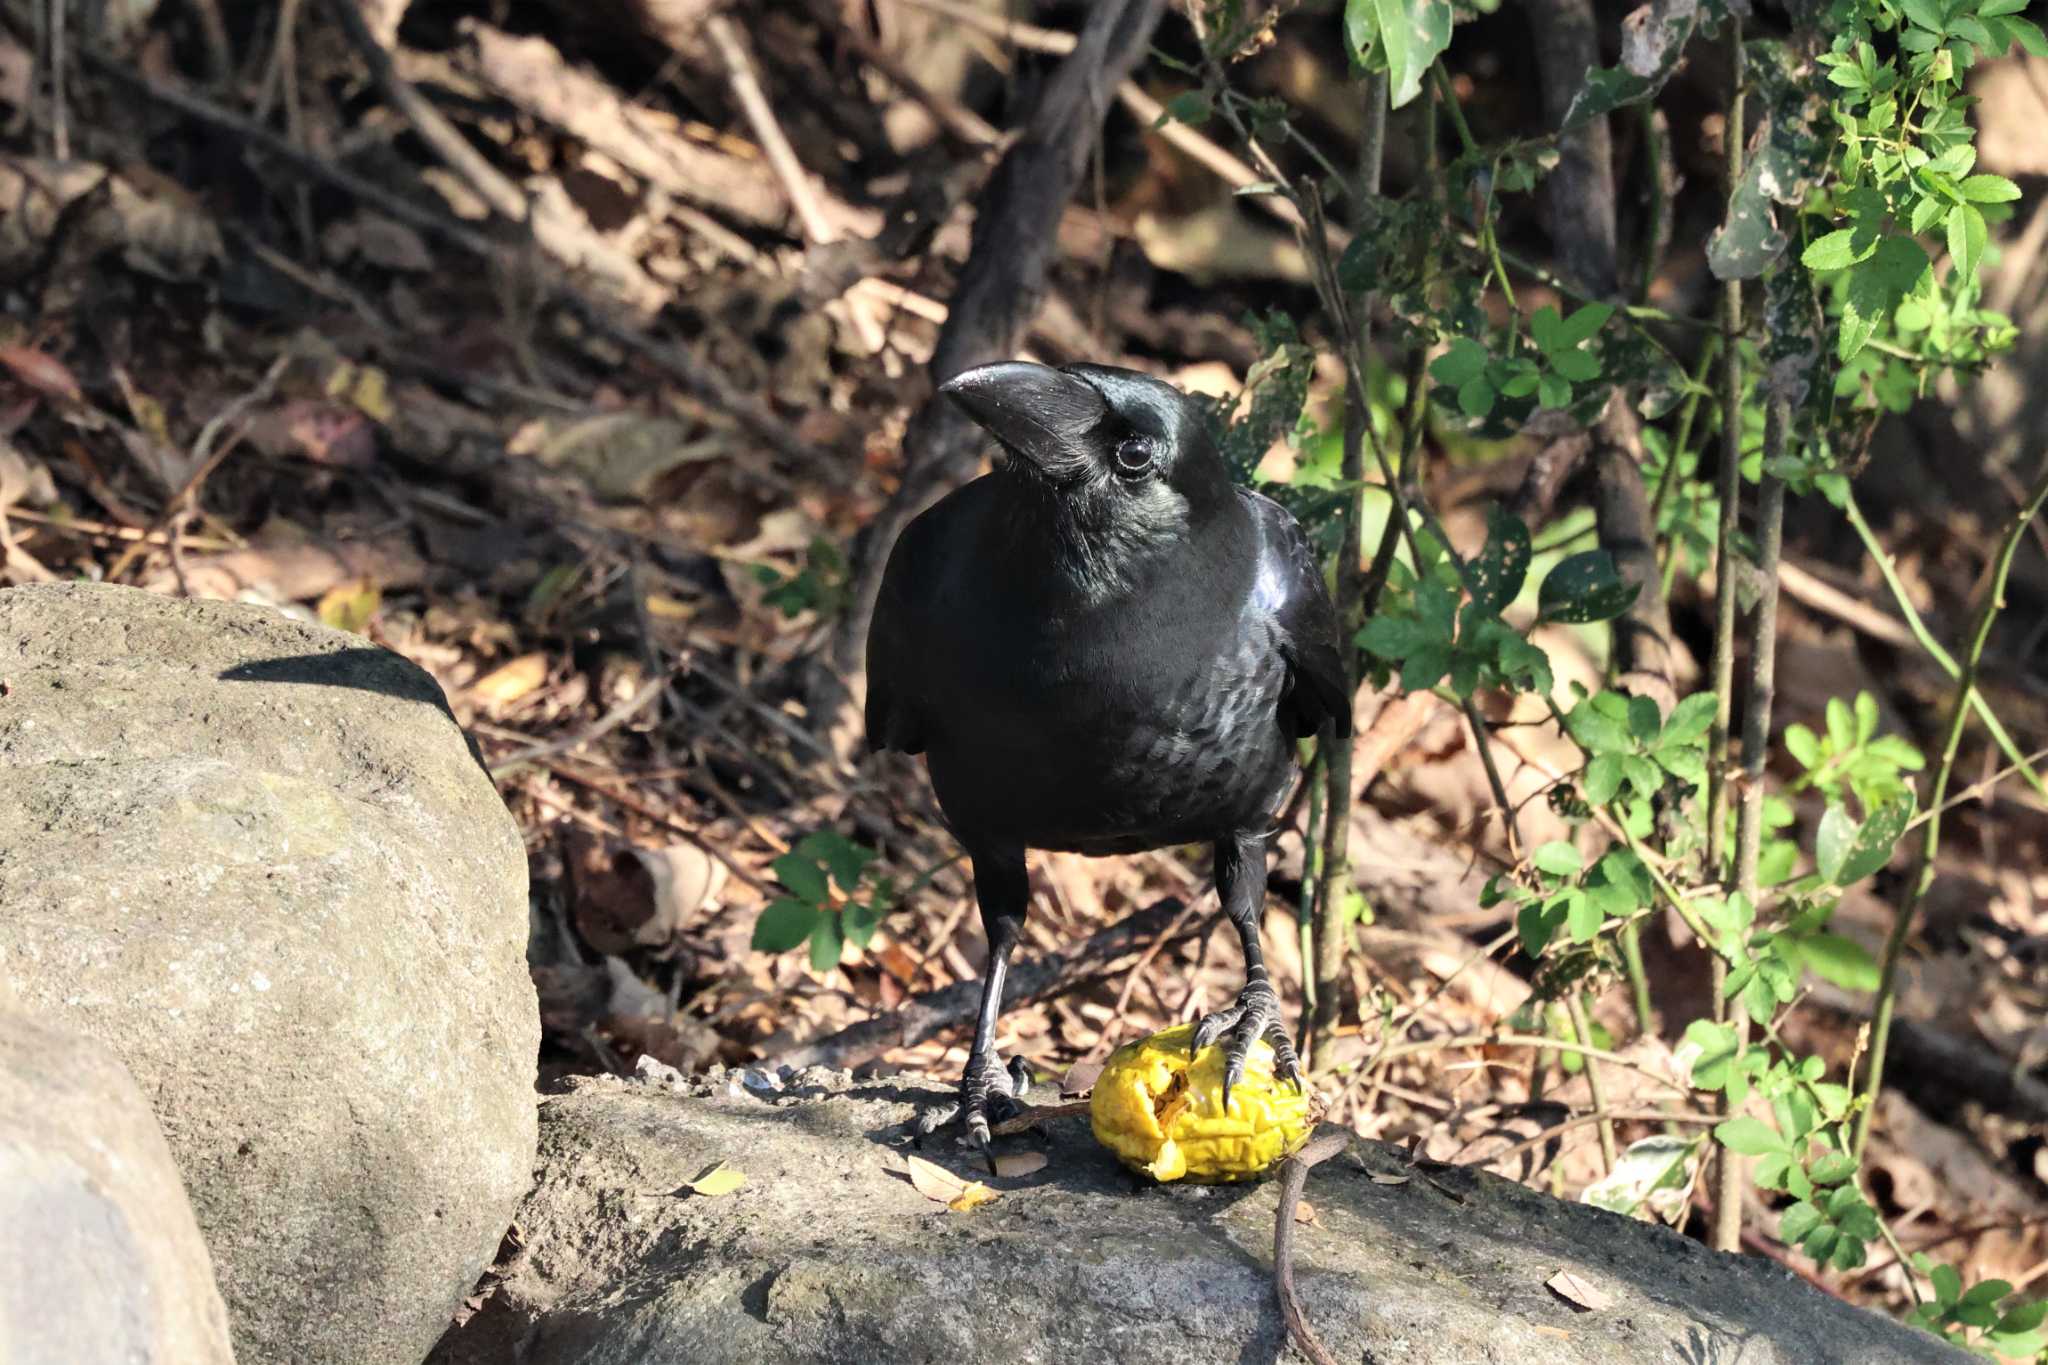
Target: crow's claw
x,y
989,1093
1256,1015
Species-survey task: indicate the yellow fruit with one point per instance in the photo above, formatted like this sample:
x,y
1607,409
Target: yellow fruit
x,y
1161,1111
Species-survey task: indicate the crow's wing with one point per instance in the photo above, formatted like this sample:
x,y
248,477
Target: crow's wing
x,y
893,721
1289,584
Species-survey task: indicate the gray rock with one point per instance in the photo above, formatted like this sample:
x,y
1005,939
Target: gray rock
x,y
256,859
103,1261
829,1255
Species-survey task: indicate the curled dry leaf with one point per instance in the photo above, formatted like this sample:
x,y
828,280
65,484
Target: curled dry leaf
x,y
44,373
941,1186
1020,1163
350,606
721,1179
509,682
1305,1212
973,1197
1578,1292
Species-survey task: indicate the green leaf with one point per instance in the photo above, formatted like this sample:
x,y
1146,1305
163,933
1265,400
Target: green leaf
x,y
1948,1284
1584,588
1984,1293
1989,189
803,876
1602,779
1545,329
1835,251
783,925
1797,1221
1583,916
1558,858
1643,720
1832,1168
2024,1318
1966,237
826,943
1358,269
2028,35
846,859
1821,1242
1876,839
1834,839
1842,961
1404,36
1464,362
1644,1167
1494,577
1579,366
858,922
1394,637
1584,324
1595,730
1875,288
1192,107
1925,13
1716,1045
1553,391
1691,719
1425,667
1475,397
1748,1136
1804,746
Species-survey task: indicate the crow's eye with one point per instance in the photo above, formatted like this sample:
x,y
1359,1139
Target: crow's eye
x,y
1134,458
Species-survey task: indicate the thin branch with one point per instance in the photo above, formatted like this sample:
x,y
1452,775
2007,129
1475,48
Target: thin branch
x,y
1930,847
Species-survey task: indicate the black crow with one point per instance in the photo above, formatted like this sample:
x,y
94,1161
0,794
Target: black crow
x,y
1103,646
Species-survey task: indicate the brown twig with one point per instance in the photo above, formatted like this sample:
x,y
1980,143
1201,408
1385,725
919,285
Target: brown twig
x,y
1293,1177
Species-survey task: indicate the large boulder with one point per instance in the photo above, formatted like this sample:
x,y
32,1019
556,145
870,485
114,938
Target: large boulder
x,y
103,1261
258,860
829,1254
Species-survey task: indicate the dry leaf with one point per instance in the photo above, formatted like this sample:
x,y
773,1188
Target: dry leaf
x,y
1020,1163
350,606
1305,1212
719,1180
933,1181
1378,1179
1080,1078
1577,1292
508,683
973,1197
45,374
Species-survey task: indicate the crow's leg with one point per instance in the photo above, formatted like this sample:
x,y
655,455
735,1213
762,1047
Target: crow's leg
x,y
1241,886
989,1088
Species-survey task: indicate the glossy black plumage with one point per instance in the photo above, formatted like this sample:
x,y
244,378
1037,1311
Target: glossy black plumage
x,y
1104,646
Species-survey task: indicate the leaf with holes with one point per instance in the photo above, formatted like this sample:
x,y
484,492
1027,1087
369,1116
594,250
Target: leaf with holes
x,y
1495,575
1584,588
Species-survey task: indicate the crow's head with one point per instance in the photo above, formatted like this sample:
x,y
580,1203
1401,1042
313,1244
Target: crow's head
x,y
1119,449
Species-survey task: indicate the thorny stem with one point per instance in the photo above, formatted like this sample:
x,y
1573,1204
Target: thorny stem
x,y
1926,641
1959,713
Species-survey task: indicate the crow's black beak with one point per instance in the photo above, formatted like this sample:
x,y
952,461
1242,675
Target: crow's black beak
x,y
1038,413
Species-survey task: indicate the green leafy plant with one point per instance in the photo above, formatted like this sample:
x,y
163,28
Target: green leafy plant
x,y
831,901
1850,266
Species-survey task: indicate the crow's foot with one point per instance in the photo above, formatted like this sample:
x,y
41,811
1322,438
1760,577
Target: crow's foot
x,y
1256,1015
989,1093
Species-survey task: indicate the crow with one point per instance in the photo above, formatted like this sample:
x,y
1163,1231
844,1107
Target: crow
x,y
1103,646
